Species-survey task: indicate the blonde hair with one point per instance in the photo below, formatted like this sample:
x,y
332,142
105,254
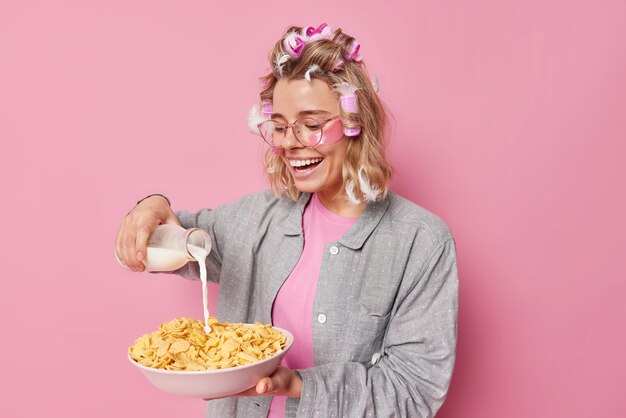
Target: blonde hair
x,y
366,172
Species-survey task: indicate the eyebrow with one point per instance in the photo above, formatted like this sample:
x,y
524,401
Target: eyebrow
x,y
303,113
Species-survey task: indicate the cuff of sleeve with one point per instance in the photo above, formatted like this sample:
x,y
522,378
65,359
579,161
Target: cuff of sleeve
x,y
309,392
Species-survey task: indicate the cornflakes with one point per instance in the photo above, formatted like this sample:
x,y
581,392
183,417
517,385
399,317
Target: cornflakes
x,y
183,344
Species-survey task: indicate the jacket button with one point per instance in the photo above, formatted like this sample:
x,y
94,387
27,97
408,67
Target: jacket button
x,y
376,358
334,250
321,318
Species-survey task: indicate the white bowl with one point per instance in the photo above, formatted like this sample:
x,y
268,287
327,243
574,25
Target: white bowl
x,y
214,383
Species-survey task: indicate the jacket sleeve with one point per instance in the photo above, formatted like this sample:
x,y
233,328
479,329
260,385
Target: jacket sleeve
x,y
217,223
412,377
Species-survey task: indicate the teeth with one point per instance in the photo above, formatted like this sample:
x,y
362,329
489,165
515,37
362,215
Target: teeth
x,y
301,163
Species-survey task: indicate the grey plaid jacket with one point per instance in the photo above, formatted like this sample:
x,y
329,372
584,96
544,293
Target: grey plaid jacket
x,y
385,311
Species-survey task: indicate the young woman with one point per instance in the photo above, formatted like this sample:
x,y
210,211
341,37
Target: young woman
x,y
364,279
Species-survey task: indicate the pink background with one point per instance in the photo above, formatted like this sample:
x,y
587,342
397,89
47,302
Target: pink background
x,y
510,126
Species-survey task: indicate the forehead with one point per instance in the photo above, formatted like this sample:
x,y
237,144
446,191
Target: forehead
x,y
291,97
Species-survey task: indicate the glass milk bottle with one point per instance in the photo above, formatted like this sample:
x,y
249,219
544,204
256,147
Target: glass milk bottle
x,y
171,246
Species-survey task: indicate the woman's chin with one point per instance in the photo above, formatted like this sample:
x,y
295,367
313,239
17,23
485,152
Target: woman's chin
x,y
307,187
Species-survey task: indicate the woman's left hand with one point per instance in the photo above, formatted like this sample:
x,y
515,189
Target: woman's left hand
x,y
283,382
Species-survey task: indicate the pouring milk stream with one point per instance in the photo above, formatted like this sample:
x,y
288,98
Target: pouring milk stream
x,y
171,246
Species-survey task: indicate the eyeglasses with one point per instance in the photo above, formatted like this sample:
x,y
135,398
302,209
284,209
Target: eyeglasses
x,y
308,131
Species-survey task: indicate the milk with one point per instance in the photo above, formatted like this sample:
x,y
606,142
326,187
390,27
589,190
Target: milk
x,y
200,255
165,259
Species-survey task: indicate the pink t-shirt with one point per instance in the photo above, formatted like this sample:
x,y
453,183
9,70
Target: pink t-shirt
x,y
293,306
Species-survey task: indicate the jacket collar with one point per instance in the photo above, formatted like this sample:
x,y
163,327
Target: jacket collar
x,y
356,235
293,221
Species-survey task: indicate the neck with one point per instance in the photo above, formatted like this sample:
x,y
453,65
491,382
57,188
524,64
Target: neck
x,y
340,205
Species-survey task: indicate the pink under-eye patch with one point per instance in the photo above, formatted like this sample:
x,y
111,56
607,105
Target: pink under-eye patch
x,y
333,132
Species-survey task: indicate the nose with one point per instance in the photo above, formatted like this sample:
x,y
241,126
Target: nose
x,y
290,141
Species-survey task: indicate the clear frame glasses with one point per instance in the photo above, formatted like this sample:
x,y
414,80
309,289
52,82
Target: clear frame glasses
x,y
308,131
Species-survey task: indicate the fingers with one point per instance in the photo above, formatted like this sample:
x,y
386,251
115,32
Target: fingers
x,y
135,241
278,382
129,251
132,237
264,386
141,242
118,246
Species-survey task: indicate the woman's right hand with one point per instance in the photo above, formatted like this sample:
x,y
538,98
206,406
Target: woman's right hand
x,y
136,227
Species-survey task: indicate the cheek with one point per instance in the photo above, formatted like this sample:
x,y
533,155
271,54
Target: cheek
x,y
335,155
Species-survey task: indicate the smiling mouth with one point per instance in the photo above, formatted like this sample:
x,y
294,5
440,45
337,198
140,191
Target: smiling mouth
x,y
305,165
